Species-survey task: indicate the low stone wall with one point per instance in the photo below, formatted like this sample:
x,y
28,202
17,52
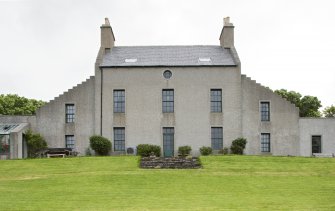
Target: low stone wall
x,y
170,163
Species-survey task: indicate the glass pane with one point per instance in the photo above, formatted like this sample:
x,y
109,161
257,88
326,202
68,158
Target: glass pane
x,y
265,142
216,100
119,101
119,139
265,111
217,138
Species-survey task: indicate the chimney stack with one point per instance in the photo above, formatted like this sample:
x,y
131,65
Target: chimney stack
x,y
107,35
227,34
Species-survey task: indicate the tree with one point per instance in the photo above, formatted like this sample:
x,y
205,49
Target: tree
x,y
13,104
292,96
35,143
308,105
329,111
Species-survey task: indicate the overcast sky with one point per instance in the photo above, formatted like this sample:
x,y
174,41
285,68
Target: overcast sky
x,y
47,47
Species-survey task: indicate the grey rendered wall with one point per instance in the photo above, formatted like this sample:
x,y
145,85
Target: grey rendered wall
x,y
19,119
17,149
325,127
283,125
192,119
51,117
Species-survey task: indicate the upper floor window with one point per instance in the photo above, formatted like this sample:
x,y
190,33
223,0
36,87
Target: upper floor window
x,y
217,138
265,111
69,113
216,100
119,139
168,100
265,142
119,101
69,141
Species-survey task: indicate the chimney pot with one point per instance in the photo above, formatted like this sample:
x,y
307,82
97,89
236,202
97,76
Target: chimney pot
x,y
226,21
107,22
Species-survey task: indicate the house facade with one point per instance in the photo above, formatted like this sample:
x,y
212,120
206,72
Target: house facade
x,y
173,96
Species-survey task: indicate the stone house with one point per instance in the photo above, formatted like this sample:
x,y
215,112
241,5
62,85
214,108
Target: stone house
x,y
173,96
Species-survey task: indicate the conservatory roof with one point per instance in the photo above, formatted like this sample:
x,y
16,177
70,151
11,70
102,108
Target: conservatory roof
x,y
6,129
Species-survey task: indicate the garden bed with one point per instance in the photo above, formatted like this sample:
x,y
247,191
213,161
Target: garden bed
x,y
170,163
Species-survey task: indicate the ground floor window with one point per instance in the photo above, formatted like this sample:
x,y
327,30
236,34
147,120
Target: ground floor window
x,y
69,141
316,144
216,138
119,139
265,142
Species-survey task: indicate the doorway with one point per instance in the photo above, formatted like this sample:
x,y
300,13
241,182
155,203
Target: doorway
x,y
316,144
168,141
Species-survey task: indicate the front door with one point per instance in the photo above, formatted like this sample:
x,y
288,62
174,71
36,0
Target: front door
x,y
168,141
316,144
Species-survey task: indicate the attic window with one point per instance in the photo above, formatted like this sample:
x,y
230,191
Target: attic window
x,y
205,59
132,60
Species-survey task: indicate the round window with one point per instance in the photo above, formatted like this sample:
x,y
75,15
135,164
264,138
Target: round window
x,y
167,74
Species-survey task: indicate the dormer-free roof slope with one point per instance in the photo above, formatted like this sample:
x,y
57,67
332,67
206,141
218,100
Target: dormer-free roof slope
x,y
170,56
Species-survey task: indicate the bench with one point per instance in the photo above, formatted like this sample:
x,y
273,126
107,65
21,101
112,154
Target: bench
x,y
55,155
58,152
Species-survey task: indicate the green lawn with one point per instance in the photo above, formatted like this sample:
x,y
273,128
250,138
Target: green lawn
x,y
116,183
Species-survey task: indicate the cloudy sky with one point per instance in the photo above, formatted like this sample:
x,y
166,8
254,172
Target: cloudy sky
x,y
47,47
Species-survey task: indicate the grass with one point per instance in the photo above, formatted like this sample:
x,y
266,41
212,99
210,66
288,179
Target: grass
x,y
116,183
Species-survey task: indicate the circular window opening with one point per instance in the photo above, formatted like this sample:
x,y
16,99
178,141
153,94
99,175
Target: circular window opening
x,y
167,74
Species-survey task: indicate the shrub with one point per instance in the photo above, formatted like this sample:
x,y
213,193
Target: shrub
x,y
238,146
224,151
184,150
100,145
205,150
145,150
35,143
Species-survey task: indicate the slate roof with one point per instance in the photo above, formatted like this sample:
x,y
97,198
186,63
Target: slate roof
x,y
172,56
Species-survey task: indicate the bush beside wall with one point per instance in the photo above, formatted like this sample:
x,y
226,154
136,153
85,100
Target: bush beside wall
x,y
101,145
145,150
184,150
35,143
238,145
206,150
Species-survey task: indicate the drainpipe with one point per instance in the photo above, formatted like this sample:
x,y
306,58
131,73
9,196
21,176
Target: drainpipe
x,y
101,97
